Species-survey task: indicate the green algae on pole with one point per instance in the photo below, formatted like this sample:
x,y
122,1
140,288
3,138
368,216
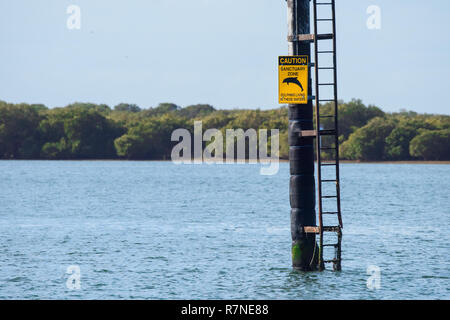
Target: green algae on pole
x,y
302,191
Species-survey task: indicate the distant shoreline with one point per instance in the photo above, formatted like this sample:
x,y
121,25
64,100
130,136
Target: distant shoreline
x,y
396,162
264,161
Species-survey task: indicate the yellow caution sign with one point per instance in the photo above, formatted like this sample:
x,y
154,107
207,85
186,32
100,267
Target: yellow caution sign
x,y
293,79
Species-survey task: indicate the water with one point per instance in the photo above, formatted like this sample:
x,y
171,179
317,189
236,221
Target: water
x,y
154,230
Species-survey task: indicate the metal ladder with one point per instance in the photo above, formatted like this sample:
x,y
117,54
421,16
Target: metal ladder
x,y
330,132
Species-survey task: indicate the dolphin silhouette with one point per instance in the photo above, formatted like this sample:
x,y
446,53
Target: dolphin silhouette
x,y
294,81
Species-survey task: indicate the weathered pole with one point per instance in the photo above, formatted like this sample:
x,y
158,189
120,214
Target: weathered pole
x,y
301,150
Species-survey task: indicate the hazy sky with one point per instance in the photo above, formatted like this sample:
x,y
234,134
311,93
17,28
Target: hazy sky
x,y
221,52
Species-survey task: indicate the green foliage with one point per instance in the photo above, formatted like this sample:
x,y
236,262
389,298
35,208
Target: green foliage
x,y
78,133
129,146
397,143
90,135
150,138
94,131
160,110
101,108
352,115
408,126
125,107
368,142
431,145
19,136
196,111
402,136
56,150
284,145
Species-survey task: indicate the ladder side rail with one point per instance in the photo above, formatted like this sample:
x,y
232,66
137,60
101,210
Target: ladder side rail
x,y
338,250
318,144
336,111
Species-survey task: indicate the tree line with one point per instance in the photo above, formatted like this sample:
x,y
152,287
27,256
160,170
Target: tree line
x,y
96,131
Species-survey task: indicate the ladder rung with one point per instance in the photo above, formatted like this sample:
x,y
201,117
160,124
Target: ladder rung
x,y
330,212
327,100
328,148
329,197
327,116
330,245
328,181
324,19
331,261
326,68
329,51
325,84
327,132
329,164
332,229
325,36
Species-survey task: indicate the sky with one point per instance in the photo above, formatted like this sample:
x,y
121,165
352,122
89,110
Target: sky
x,y
220,52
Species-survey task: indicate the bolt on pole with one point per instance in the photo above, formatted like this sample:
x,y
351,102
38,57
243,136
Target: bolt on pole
x,y
302,191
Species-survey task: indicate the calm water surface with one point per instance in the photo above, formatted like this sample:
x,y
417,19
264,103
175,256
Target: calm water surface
x,y
154,230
